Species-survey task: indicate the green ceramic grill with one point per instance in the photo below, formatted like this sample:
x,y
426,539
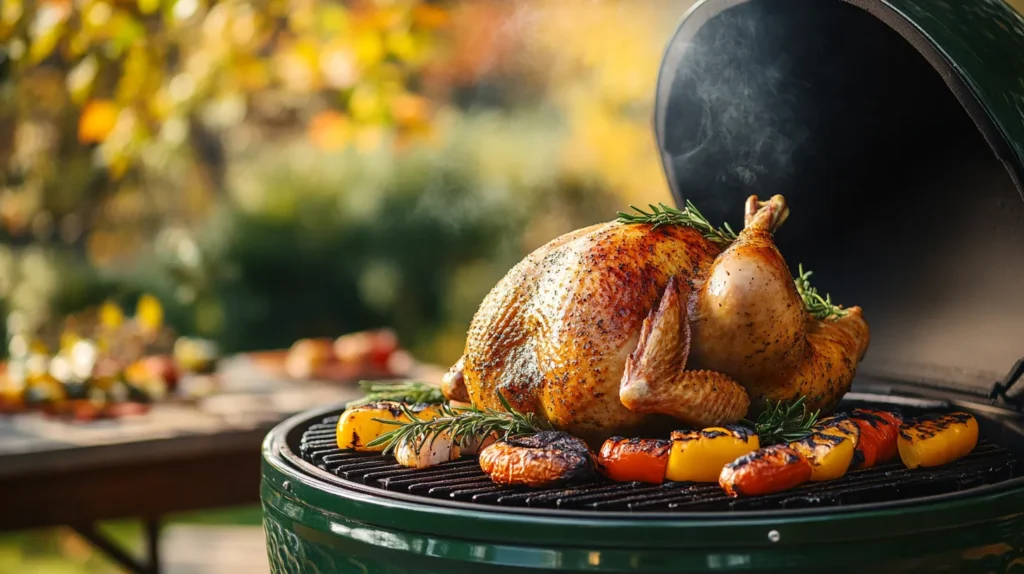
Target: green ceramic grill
x,y
898,128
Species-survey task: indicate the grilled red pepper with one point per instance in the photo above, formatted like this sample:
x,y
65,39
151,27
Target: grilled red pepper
x,y
878,432
772,469
642,459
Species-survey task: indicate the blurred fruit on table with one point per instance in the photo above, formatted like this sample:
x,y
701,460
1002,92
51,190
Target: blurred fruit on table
x,y
103,364
365,354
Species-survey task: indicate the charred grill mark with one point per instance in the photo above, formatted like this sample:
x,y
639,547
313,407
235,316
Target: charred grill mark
x,y
872,417
929,425
546,458
393,408
654,446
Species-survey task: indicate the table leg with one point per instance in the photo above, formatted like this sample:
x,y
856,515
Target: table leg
x,y
149,565
152,527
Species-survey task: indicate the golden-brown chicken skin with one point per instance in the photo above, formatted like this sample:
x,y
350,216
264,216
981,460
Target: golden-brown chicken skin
x,y
553,335
623,328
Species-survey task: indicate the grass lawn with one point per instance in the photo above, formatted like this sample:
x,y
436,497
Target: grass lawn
x,y
61,551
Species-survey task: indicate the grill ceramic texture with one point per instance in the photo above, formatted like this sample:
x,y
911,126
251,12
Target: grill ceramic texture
x,y
462,480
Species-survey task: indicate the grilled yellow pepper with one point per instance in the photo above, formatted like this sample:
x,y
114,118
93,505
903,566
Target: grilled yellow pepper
x,y
699,456
829,447
357,427
934,440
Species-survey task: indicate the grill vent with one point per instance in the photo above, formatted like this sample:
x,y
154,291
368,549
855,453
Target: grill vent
x,y
462,480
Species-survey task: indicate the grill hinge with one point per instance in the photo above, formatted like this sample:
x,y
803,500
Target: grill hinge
x,y
1003,391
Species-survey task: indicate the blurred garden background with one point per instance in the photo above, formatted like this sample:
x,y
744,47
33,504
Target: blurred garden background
x,y
280,169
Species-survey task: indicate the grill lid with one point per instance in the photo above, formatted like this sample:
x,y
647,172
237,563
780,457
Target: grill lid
x,y
893,130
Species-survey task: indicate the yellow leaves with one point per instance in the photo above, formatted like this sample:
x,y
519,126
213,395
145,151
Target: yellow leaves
x,y
80,79
430,16
368,47
389,17
402,45
333,20
186,9
10,13
98,14
148,6
329,130
298,65
366,104
97,121
46,28
134,82
409,110
338,65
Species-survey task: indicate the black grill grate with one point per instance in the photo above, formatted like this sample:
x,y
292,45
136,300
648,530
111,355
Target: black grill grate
x,y
462,480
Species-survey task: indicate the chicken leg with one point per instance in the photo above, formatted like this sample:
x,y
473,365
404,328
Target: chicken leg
x,y
751,324
655,380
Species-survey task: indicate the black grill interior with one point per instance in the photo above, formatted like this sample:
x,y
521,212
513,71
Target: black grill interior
x,y
463,481
828,105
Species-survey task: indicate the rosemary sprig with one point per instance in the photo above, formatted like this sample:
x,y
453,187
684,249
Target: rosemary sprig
x,y
689,216
462,424
821,307
412,392
783,422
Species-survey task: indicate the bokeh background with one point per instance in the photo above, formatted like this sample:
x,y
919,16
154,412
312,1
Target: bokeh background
x,y
279,169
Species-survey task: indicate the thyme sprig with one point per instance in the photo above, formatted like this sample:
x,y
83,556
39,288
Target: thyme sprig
x,y
462,424
783,422
411,392
689,216
820,307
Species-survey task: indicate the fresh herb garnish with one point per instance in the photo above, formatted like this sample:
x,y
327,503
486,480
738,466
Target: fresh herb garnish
x,y
412,392
783,422
821,307
662,214
461,424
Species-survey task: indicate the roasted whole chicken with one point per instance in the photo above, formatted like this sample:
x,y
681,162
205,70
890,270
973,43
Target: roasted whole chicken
x,y
625,329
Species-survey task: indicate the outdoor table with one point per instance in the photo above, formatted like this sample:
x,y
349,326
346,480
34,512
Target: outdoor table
x,y
175,458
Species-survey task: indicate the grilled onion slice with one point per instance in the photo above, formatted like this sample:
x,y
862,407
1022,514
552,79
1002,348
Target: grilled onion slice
x,y
427,452
544,459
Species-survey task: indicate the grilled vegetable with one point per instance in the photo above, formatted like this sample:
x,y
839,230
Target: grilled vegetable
x,y
476,445
641,459
543,459
934,440
830,447
772,469
357,427
878,432
453,384
698,456
427,452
